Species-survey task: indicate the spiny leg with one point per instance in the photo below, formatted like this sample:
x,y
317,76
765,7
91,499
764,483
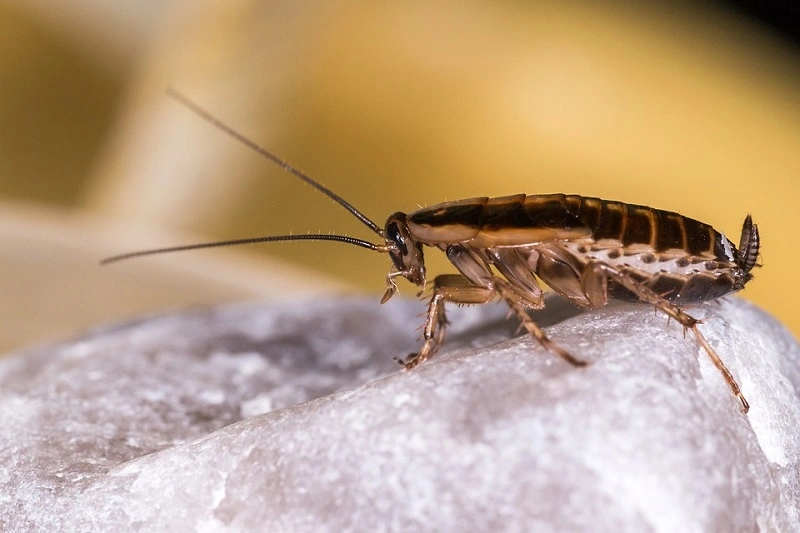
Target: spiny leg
x,y
648,295
446,288
515,303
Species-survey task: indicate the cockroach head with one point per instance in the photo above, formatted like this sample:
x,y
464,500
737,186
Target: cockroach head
x,y
404,249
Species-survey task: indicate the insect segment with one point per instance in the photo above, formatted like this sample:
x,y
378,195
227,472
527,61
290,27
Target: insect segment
x,y
586,249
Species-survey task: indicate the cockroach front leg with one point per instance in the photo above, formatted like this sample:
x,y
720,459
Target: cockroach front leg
x,y
446,288
597,271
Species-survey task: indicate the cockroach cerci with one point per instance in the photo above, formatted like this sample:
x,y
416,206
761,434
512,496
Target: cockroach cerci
x,y
586,249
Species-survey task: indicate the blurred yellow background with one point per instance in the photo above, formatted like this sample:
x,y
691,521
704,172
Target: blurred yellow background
x,y
687,107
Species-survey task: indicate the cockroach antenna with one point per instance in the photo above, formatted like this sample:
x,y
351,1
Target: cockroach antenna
x,y
285,166
275,159
251,240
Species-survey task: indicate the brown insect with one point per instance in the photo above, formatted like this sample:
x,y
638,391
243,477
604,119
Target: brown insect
x,y
586,249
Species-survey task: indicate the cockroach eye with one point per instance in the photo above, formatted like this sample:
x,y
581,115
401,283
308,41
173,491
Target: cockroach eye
x,y
394,235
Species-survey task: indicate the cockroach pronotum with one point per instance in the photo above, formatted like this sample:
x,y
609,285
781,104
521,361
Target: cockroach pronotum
x,y
586,249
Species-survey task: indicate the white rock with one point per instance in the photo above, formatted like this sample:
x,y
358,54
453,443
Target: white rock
x,y
141,427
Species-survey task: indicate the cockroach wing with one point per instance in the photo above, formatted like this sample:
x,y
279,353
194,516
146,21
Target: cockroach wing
x,y
517,220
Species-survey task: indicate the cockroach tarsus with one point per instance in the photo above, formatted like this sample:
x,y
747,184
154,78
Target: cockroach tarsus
x,y
587,250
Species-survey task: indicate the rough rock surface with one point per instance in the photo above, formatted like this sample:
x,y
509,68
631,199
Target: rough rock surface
x,y
276,418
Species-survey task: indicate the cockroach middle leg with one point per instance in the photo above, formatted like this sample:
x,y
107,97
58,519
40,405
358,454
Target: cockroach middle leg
x,y
646,294
515,303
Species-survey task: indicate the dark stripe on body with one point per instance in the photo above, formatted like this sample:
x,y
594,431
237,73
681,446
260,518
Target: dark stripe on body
x,y
698,237
505,212
640,226
590,211
464,212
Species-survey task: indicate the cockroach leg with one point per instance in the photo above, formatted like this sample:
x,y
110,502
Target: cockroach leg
x,y
432,332
446,288
457,289
722,368
517,305
646,294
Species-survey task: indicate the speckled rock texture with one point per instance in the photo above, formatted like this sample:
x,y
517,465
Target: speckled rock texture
x,y
295,418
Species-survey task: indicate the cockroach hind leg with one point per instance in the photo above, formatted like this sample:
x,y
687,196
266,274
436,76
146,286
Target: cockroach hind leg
x,y
729,379
686,320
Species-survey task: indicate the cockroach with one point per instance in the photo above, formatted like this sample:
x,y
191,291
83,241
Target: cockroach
x,y
587,250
